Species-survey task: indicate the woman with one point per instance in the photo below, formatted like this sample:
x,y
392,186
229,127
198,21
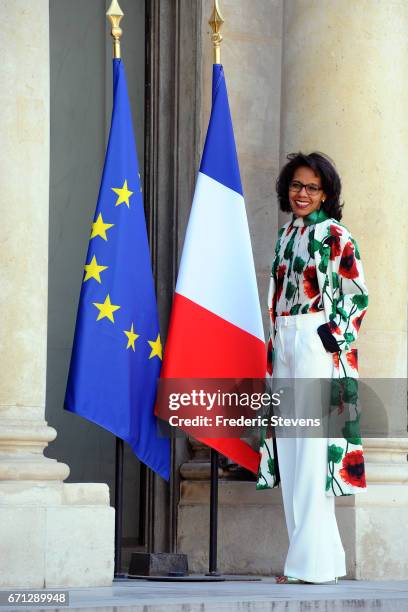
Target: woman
x,y
317,300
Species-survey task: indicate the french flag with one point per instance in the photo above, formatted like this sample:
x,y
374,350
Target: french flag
x,y
215,328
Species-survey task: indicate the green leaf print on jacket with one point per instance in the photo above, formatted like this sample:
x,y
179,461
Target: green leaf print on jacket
x,y
335,453
344,390
299,264
351,431
289,247
313,244
335,280
290,290
324,251
361,301
295,309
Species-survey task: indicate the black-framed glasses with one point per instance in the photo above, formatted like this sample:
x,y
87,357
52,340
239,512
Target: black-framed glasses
x,y
311,188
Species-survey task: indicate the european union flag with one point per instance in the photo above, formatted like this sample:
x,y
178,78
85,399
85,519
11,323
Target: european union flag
x,y
117,353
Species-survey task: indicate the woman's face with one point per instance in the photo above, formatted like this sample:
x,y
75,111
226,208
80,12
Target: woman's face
x,y
302,202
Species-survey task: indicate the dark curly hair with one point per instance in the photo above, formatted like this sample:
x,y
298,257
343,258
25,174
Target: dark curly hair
x,y
321,165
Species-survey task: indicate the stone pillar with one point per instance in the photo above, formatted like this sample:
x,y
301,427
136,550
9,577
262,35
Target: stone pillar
x,y
52,534
345,92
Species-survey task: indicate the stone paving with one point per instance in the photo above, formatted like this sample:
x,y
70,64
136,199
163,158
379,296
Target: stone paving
x,y
230,596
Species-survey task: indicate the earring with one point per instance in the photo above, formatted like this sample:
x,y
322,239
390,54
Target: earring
x,y
323,201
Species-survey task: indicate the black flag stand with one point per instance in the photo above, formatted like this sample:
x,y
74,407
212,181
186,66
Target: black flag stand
x,y
213,575
118,509
212,570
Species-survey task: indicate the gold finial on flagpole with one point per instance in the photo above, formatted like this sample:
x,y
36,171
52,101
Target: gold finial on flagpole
x,y
115,15
216,21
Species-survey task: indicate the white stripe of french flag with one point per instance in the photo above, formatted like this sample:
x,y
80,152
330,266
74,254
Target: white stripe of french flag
x,y
215,326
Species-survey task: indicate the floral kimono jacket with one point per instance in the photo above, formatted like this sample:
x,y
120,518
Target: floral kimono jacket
x,y
343,296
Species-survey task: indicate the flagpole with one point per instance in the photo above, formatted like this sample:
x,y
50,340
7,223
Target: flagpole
x,y
115,15
118,508
216,21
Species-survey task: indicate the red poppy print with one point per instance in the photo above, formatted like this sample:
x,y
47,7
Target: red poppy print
x,y
303,229
348,266
314,306
334,242
335,230
352,471
336,360
333,328
352,358
280,277
310,284
357,320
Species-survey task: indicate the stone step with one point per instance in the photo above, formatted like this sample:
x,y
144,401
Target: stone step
x,y
238,595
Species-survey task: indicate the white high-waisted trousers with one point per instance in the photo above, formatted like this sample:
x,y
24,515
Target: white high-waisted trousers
x,y
316,553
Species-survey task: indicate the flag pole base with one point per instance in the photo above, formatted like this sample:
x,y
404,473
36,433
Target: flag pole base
x,y
158,564
197,578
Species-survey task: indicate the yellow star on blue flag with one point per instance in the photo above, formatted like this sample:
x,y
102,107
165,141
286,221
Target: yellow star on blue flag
x,y
123,194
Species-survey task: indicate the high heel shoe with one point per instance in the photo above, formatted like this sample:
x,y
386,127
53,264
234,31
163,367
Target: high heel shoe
x,y
293,580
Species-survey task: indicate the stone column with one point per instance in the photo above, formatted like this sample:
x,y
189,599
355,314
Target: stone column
x,y
345,92
52,534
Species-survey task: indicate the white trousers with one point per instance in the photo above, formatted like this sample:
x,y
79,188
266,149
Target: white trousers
x,y
316,553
